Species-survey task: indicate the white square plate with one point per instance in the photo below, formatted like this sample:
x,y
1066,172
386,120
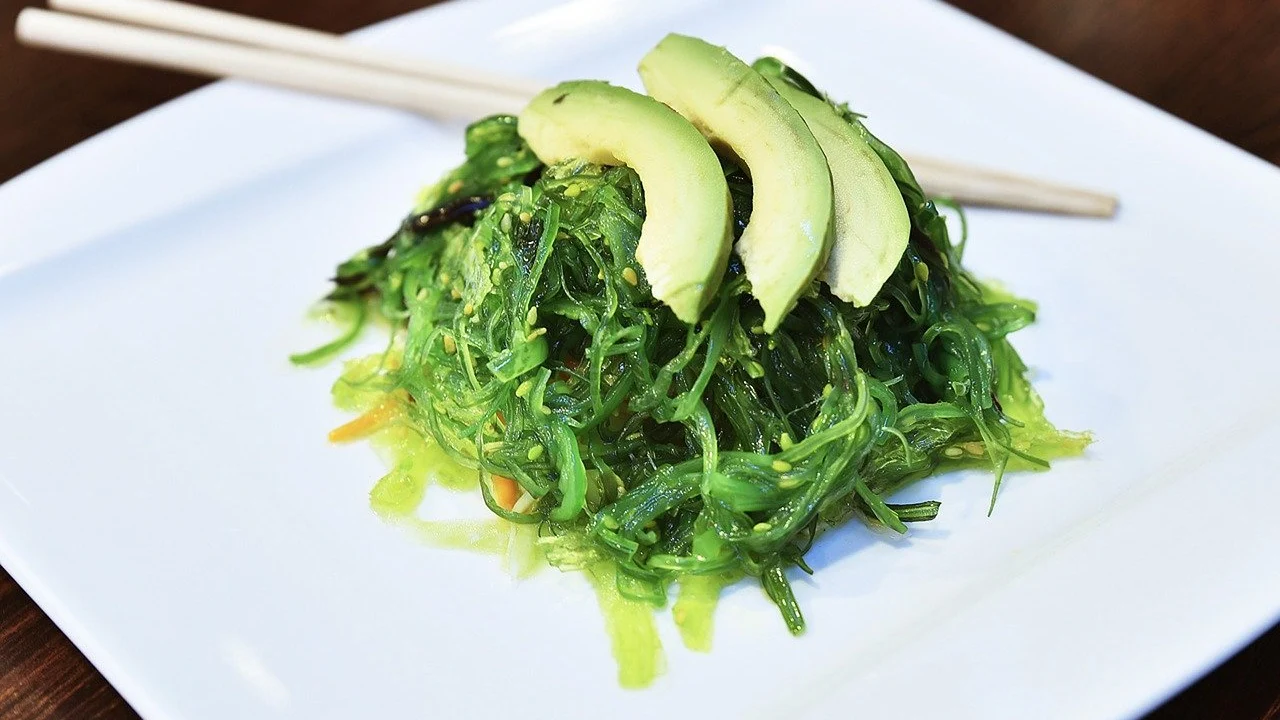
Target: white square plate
x,y
168,497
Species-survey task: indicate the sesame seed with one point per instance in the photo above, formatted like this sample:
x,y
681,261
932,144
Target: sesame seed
x,y
781,466
504,161
953,452
573,191
468,309
450,346
535,452
525,217
505,223
544,410
523,388
922,272
531,317
762,527
789,483
629,274
785,442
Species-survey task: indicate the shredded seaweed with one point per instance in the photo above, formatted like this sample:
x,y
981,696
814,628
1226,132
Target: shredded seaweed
x,y
532,349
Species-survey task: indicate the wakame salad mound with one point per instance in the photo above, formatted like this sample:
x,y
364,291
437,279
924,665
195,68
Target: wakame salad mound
x,y
530,357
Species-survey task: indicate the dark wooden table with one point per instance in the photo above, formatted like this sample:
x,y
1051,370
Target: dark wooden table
x,y
1215,63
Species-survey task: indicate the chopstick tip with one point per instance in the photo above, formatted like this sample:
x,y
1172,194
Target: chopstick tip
x,y
22,25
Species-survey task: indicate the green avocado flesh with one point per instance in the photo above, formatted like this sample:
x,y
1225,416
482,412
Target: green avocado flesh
x,y
872,225
687,234
788,238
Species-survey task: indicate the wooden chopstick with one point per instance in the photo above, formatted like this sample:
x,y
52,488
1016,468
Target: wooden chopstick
x,y
216,58
220,25
221,44
969,185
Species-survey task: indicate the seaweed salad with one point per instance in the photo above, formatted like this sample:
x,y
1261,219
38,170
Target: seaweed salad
x,y
670,442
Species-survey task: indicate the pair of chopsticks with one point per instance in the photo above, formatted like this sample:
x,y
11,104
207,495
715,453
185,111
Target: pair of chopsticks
x,y
202,41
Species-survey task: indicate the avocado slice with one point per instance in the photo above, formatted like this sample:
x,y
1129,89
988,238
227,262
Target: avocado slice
x,y
788,237
687,234
872,224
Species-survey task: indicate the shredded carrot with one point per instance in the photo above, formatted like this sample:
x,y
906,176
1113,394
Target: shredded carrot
x,y
368,423
505,491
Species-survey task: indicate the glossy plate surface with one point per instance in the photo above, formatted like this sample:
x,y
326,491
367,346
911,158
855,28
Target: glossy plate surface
x,y
168,496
